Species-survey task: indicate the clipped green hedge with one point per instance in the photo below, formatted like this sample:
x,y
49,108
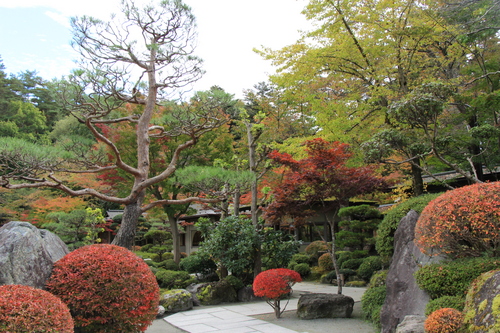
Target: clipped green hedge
x,y
371,303
454,302
173,279
369,266
386,229
453,278
303,269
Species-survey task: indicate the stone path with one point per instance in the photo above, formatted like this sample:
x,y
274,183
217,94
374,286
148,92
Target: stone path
x,y
244,317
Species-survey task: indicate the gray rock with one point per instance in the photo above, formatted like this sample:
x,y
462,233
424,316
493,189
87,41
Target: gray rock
x,y
312,306
28,254
214,293
161,311
404,297
482,303
246,294
411,324
176,300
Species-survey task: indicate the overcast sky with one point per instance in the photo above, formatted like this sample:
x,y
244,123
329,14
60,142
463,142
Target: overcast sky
x,y
35,35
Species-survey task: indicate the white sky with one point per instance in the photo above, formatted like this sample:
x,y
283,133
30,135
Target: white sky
x,y
35,35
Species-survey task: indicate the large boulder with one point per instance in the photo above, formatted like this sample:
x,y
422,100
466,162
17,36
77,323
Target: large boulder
x,y
482,305
27,254
176,300
312,306
404,297
215,293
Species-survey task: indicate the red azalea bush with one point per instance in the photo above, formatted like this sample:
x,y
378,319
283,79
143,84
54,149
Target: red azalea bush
x,y
274,285
446,320
464,222
107,288
26,309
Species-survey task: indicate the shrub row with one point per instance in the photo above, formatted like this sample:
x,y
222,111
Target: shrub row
x,y
453,278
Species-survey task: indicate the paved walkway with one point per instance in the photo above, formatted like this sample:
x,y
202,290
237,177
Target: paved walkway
x,y
236,318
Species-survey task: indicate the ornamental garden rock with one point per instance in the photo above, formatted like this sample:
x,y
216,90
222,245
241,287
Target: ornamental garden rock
x,y
27,254
482,305
313,306
176,300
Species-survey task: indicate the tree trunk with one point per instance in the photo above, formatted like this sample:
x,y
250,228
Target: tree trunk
x,y
331,222
277,308
236,202
126,235
174,229
417,181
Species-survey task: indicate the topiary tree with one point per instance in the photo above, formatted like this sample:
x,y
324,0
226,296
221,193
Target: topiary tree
x,y
26,309
275,285
464,222
107,288
446,320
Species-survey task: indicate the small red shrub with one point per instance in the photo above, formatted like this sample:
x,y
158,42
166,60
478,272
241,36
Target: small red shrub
x,y
462,222
107,288
26,309
446,320
275,284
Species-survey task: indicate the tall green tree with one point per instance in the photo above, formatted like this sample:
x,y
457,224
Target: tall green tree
x,y
363,57
136,58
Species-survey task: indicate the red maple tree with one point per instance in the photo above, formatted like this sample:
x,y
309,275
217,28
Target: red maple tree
x,y
322,178
274,285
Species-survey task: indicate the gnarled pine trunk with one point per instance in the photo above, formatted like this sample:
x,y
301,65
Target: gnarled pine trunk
x,y
126,234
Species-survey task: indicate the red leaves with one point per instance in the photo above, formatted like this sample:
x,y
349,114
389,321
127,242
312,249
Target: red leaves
x,y
462,222
324,174
106,285
275,283
26,309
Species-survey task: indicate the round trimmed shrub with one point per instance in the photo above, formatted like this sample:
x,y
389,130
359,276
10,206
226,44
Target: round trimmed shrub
x,y
352,263
26,309
325,262
168,264
464,222
198,263
173,279
315,249
369,266
301,258
107,288
445,320
303,269
454,302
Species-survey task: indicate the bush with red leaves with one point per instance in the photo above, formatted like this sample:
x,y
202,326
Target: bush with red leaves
x,y
274,285
446,320
26,309
107,289
464,222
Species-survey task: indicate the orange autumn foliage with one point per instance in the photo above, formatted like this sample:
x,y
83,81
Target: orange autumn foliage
x,y
445,320
464,222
